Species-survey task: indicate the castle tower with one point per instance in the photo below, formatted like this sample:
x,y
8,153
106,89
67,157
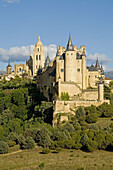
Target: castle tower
x,y
97,64
83,70
100,91
47,61
9,68
70,62
38,56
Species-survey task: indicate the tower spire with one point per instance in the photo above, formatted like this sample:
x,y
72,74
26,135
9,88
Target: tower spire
x,y
70,45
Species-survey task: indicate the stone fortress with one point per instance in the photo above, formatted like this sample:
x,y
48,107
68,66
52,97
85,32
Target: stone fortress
x,y
67,72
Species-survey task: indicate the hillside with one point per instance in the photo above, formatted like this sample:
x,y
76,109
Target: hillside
x,y
109,74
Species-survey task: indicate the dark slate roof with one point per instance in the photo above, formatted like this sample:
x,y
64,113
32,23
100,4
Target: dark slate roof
x,y
53,73
9,65
62,57
92,68
70,45
78,56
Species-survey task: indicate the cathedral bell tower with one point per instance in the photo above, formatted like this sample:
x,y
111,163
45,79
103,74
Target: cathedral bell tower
x,y
38,57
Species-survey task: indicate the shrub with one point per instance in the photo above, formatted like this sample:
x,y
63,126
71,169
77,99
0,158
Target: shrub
x,y
11,143
3,147
80,112
95,127
46,150
91,145
58,149
91,118
43,138
21,139
84,139
29,143
42,165
69,127
64,96
13,137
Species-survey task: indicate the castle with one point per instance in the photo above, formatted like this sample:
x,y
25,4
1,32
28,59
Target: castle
x,y
67,72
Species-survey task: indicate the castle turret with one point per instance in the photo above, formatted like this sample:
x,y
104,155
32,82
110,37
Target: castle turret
x,y
100,91
47,61
97,64
70,45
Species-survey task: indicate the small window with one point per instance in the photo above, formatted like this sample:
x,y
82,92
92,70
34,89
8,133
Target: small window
x,y
62,70
67,53
89,76
38,49
20,69
95,76
71,53
36,57
39,57
78,69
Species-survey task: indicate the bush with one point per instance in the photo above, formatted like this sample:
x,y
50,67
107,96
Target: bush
x,y
95,127
42,165
58,149
46,150
21,139
91,145
91,118
29,143
3,147
11,143
13,137
64,96
43,137
80,112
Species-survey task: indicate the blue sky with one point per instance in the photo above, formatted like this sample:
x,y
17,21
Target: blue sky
x,y
90,23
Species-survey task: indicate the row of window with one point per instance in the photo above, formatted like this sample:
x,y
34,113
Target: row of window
x,y
38,57
68,53
95,76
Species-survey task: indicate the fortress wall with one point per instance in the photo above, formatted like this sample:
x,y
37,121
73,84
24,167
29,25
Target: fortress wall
x,y
64,106
72,89
90,94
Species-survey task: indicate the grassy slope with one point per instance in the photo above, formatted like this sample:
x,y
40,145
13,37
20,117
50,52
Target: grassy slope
x,y
66,159
31,159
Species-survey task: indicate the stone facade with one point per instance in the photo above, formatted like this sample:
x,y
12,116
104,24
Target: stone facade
x,y
35,63
68,73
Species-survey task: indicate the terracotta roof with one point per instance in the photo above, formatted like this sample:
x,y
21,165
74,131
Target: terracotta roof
x,y
108,78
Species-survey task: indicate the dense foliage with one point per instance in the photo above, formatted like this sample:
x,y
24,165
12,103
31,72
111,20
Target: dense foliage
x,y
26,119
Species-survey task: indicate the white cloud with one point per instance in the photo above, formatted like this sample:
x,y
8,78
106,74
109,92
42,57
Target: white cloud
x,y
22,53
12,1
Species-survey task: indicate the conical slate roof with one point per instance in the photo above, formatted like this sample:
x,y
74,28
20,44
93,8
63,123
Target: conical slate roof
x,y
97,64
70,45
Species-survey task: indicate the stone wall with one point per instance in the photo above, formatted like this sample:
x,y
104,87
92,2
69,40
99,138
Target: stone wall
x,y
70,87
90,94
69,107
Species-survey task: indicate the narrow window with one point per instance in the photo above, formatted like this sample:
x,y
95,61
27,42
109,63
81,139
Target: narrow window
x,y
95,76
36,57
78,69
62,70
39,57
38,49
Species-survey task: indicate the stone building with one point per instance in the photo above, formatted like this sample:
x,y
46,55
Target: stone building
x,y
35,62
9,68
68,73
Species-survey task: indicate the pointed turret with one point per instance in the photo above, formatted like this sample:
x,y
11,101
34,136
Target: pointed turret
x,y
70,45
102,70
47,61
97,64
9,65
